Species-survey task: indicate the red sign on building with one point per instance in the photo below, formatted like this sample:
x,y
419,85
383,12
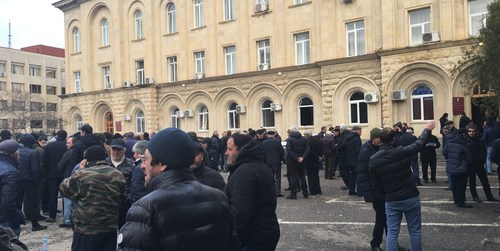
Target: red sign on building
x,y
458,105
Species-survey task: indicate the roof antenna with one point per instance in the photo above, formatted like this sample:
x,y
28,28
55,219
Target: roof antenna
x,y
10,36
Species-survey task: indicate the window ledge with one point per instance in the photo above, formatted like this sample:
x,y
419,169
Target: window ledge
x,y
171,34
199,28
227,21
104,46
75,53
258,14
138,40
299,5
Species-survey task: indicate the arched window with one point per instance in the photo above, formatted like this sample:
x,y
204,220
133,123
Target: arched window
x,y
358,108
306,112
105,32
140,122
175,120
267,116
422,103
76,40
78,122
203,118
171,25
138,24
233,118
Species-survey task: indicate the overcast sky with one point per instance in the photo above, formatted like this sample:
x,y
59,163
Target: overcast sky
x,y
32,22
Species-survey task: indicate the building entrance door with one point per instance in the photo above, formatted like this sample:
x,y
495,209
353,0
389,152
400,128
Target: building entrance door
x,y
109,123
481,109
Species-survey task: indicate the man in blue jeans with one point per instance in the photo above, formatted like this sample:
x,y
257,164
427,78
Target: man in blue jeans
x,y
391,175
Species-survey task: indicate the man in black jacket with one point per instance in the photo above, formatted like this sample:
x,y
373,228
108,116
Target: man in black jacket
x,y
86,140
353,145
178,213
406,139
297,150
250,188
428,158
312,163
273,152
391,175
458,154
204,175
341,148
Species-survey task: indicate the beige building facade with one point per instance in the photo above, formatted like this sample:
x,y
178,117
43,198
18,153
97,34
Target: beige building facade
x,y
231,65
30,85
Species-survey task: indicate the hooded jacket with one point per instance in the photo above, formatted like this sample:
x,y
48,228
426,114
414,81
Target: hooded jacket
x,y
458,155
296,146
82,144
363,172
251,192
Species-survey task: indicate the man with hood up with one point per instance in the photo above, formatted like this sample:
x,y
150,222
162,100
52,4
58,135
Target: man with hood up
x,y
297,150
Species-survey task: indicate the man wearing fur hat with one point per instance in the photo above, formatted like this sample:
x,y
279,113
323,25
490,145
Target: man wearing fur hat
x,y
178,213
97,190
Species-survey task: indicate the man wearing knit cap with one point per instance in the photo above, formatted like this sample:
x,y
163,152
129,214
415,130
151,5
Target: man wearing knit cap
x,y
97,190
178,213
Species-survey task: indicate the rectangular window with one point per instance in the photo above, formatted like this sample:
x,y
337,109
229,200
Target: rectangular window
x,y
3,105
78,86
36,89
3,68
302,50
198,13
17,69
63,90
17,87
52,107
19,123
230,55
172,68
139,69
50,73
228,9
51,90
51,124
477,15
355,38
18,105
3,86
264,54
35,71
36,106
36,123
4,123
420,23
106,77
299,1
199,58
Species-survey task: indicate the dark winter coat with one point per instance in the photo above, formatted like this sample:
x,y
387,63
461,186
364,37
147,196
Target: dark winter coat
x,y
495,152
353,145
314,149
390,169
429,152
327,146
363,172
479,152
67,163
458,155
464,121
9,192
213,158
52,155
251,192
28,165
126,168
272,151
407,139
491,134
449,136
209,177
178,213
82,144
341,146
129,143
296,146
137,187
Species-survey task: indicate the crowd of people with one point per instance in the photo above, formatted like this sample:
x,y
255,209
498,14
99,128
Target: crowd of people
x,y
165,191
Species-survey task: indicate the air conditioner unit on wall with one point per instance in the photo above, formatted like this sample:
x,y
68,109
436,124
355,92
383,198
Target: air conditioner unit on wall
x,y
430,37
108,86
127,117
261,7
189,113
149,80
263,67
275,107
199,75
371,97
241,109
2,74
398,95
179,114
127,84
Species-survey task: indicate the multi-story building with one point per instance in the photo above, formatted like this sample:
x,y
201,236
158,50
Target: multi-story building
x,y
30,81
228,65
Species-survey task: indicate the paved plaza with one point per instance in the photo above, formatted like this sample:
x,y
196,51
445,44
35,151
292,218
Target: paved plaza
x,y
337,221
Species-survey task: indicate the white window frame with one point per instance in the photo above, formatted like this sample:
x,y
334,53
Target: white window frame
x,y
300,106
172,68
138,24
481,7
421,98
230,56
233,118
264,51
358,110
175,121
139,69
228,10
299,1
264,110
76,40
203,124
171,22
302,48
140,121
199,62
198,13
105,32
78,122
106,74
420,27
78,85
355,35
35,71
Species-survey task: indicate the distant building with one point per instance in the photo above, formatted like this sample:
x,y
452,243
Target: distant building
x,y
229,65
30,81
